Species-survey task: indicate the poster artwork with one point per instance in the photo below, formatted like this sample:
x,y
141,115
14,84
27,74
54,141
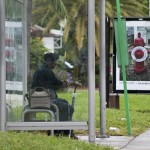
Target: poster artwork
x,y
138,70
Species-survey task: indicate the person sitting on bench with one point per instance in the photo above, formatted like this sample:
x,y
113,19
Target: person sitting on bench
x,y
45,77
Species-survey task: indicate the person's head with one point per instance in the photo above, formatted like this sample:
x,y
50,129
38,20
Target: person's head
x,y
50,59
139,35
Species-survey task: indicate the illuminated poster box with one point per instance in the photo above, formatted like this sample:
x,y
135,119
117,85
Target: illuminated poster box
x,y
138,70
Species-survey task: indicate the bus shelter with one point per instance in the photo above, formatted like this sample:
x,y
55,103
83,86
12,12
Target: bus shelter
x,y
14,61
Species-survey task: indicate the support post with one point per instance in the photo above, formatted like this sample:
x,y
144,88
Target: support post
x,y
2,68
102,68
149,8
91,69
24,44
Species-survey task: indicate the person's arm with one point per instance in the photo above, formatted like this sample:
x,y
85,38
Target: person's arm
x,y
35,80
52,81
56,81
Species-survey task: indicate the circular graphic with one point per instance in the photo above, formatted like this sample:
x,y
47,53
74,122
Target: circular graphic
x,y
10,54
139,54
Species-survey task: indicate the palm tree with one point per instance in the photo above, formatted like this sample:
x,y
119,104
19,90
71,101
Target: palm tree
x,y
128,8
78,13
47,13
75,12
51,11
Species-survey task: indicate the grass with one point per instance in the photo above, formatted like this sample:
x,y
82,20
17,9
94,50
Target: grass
x,y
139,115
30,141
139,108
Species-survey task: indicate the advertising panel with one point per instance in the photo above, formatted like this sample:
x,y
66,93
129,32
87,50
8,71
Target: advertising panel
x,y
14,55
138,70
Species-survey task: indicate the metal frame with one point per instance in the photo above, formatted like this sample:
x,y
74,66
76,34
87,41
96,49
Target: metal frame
x,y
58,42
51,113
132,90
102,68
91,68
25,53
46,125
2,67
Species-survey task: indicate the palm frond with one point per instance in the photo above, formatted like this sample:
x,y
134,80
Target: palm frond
x,y
59,8
51,23
66,31
80,30
109,9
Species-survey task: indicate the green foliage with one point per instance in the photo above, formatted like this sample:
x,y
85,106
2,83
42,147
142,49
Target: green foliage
x,y
36,52
29,141
75,30
128,8
47,11
146,3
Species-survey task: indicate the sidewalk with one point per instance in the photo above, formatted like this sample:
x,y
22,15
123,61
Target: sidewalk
x,y
141,142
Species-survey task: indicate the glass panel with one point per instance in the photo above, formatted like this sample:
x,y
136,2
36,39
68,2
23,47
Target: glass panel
x,y
67,36
14,63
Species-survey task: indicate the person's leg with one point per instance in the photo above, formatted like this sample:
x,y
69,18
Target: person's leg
x,y
65,109
65,114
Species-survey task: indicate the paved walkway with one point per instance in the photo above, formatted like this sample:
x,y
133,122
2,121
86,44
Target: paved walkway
x,y
141,142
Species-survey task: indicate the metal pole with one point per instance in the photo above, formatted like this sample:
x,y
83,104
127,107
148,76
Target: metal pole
x,y
29,17
91,68
149,8
122,58
25,6
2,68
102,68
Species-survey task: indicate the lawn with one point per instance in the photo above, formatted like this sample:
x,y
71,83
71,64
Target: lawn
x,y
139,108
40,141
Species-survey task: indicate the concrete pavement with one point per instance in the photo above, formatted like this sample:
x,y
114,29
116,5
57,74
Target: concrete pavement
x,y
141,142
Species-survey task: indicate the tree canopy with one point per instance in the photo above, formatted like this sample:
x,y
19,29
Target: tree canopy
x,y
48,13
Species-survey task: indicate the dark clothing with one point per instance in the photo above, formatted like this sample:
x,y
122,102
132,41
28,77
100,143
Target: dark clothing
x,y
45,77
65,109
